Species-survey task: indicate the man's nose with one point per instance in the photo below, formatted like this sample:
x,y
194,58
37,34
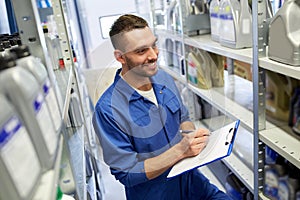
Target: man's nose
x,y
153,53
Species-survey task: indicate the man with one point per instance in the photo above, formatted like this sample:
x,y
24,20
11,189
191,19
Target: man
x,y
138,121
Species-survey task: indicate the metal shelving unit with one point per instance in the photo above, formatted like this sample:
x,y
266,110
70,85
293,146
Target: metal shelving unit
x,y
69,171
252,111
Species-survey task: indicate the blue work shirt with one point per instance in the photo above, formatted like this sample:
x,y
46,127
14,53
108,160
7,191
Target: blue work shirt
x,y
131,129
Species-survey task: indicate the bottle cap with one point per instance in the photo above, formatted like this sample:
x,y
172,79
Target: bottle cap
x,y
7,61
21,51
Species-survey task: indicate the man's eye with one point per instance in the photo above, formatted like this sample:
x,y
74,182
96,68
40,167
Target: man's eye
x,y
141,51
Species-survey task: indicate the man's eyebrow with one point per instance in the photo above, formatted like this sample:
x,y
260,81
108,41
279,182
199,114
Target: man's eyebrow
x,y
145,46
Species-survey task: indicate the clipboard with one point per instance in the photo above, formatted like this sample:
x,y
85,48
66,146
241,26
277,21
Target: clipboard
x,y
219,146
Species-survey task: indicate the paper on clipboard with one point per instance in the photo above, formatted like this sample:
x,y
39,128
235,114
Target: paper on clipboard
x,y
219,146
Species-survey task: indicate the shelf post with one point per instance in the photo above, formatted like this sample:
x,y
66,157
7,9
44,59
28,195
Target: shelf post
x,y
259,116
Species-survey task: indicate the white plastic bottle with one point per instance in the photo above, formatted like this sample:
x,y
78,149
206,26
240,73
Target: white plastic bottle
x,y
284,31
20,169
22,90
38,70
235,24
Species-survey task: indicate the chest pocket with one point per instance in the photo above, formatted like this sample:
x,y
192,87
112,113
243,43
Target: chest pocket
x,y
173,105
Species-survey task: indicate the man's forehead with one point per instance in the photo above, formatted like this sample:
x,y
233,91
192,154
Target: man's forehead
x,y
137,38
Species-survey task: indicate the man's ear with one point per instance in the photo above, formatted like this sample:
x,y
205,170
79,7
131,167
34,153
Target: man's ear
x,y
119,56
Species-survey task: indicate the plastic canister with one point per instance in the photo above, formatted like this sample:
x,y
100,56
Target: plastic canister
x,y
22,90
169,46
20,169
294,117
278,91
284,34
235,24
289,185
38,70
199,71
298,195
273,173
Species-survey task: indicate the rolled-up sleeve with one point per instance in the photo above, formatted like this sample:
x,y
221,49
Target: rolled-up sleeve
x,y
117,150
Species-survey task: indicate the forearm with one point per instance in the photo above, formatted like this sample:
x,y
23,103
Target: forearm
x,y
159,164
190,145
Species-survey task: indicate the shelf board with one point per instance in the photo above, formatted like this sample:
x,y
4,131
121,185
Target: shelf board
x,y
245,55
47,187
204,42
244,173
229,99
281,68
283,143
212,178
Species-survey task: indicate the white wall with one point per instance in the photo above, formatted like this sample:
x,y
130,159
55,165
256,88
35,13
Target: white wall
x,y
99,50
4,26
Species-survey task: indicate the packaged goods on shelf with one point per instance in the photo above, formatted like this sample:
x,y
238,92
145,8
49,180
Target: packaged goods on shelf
x,y
205,70
284,34
199,70
294,117
243,70
273,173
169,49
278,93
235,24
38,70
281,178
20,169
197,20
30,104
288,185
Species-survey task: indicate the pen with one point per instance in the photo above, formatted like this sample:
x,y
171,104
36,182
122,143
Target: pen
x,y
189,131
186,131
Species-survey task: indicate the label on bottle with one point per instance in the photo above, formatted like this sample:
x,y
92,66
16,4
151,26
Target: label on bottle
x,y
298,195
45,123
283,190
52,104
214,21
19,156
192,71
228,28
246,24
271,183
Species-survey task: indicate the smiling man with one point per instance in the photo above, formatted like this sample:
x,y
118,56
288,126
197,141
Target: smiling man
x,y
138,121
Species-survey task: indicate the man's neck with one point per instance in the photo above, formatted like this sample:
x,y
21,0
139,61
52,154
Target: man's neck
x,y
143,84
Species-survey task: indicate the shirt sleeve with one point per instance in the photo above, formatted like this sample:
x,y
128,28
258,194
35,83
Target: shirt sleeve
x,y
117,150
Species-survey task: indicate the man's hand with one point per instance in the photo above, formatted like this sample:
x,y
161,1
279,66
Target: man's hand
x,y
193,143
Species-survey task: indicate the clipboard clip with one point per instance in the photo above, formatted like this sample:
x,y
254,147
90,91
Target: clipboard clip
x,y
229,133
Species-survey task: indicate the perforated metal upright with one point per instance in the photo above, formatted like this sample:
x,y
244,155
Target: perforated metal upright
x,y
259,13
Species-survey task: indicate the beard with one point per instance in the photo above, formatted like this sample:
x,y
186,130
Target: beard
x,y
142,69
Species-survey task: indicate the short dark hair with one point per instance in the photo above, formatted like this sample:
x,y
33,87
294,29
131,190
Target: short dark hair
x,y
125,23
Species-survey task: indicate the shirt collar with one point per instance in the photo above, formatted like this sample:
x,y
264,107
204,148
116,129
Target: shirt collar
x,y
124,88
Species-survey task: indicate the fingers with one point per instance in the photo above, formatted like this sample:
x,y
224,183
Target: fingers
x,y
202,132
